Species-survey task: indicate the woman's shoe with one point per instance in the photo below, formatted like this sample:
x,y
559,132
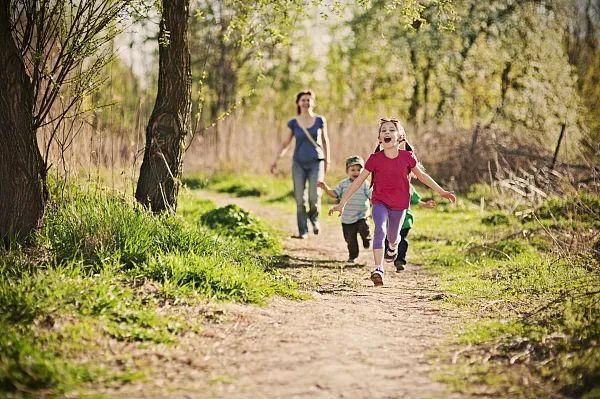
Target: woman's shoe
x,y
316,228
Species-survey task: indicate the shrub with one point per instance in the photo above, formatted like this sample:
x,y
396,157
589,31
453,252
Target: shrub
x,y
495,219
585,207
235,221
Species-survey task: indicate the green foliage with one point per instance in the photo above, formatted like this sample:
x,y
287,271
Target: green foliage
x,y
478,191
536,314
270,189
237,222
24,363
101,228
495,219
584,207
101,268
214,278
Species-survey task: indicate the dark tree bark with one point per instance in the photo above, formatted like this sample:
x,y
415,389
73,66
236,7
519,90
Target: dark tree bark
x,y
22,172
169,123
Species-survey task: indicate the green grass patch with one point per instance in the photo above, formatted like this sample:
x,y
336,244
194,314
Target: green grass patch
x,y
536,304
101,269
268,188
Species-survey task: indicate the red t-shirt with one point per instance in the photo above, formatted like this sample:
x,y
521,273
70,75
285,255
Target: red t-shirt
x,y
390,181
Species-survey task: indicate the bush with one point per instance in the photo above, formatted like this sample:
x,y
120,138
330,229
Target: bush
x,y
585,207
101,229
237,222
478,191
495,219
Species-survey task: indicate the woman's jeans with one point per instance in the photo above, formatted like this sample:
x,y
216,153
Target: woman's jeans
x,y
313,172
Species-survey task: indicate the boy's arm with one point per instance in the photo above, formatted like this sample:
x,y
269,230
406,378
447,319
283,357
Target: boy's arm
x,y
327,189
351,190
429,182
428,204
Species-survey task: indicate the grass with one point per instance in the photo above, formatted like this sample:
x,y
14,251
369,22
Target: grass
x,y
529,280
102,269
531,286
267,188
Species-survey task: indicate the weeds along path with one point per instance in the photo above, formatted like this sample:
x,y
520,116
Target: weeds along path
x,y
350,341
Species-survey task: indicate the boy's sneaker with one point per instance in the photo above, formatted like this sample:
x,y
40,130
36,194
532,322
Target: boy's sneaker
x,y
366,243
399,264
377,276
351,260
391,254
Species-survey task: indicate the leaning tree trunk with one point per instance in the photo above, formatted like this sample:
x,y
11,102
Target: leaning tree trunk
x,y
22,171
169,124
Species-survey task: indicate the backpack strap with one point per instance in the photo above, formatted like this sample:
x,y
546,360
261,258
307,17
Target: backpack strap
x,y
308,136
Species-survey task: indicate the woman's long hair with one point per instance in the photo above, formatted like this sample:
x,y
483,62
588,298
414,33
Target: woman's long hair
x,y
299,95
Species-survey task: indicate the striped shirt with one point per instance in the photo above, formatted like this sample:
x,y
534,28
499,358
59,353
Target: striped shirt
x,y
358,206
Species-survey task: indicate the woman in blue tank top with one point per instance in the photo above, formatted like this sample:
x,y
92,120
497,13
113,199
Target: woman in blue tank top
x,y
310,161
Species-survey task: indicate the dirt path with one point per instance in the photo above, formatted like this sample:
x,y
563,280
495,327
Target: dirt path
x,y
351,341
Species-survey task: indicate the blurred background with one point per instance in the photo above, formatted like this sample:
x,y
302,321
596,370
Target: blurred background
x,y
502,92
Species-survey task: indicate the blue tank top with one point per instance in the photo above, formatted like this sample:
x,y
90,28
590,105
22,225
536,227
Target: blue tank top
x,y
305,152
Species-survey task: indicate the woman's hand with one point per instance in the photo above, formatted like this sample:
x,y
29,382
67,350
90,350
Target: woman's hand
x,y
449,196
273,167
337,208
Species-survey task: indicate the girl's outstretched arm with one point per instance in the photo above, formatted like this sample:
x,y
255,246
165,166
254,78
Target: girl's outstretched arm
x,y
429,182
282,149
351,190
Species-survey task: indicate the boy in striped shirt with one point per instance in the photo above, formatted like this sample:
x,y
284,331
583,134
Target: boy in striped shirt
x,y
354,217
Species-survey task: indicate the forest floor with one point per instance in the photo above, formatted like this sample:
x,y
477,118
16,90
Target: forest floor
x,y
347,340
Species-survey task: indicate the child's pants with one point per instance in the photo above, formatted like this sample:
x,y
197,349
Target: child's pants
x,y
387,223
350,231
402,248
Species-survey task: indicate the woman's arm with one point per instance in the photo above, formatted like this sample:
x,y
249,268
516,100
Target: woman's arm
x,y
327,189
429,182
282,149
326,145
351,190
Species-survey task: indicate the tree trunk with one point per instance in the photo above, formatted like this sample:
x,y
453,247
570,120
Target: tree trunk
x,y
414,103
169,123
22,172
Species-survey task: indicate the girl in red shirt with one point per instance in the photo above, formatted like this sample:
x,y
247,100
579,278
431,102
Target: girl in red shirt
x,y
390,165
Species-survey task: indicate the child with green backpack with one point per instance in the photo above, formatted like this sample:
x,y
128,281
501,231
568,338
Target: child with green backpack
x,y
409,220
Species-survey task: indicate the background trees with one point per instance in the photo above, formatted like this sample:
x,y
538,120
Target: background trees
x,y
489,80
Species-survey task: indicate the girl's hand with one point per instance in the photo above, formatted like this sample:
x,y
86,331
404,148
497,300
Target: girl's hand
x,y
449,196
321,184
337,208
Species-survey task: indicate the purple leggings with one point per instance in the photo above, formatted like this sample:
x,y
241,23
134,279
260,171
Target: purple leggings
x,y
385,217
